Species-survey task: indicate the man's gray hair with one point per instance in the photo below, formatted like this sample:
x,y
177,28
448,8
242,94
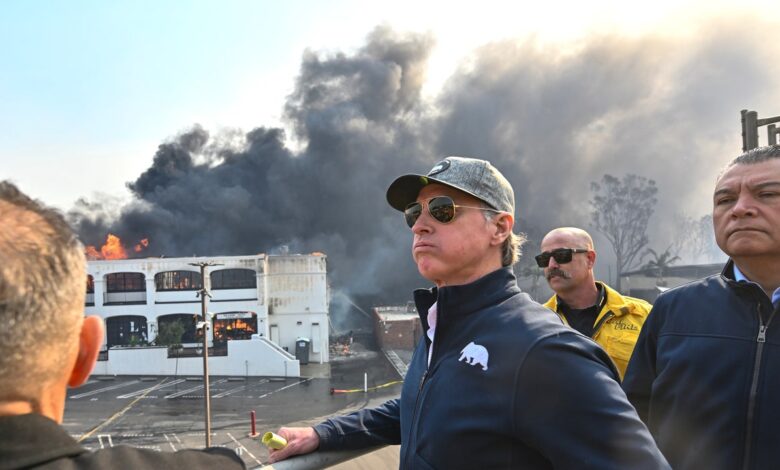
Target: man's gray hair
x,y
753,156
512,248
42,289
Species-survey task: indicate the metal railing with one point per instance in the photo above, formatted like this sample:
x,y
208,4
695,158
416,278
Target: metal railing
x,y
317,460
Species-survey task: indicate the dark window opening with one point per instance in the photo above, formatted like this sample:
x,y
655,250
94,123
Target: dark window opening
x,y
178,280
188,320
90,284
234,279
126,330
125,282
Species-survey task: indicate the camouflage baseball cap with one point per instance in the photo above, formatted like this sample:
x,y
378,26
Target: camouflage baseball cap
x,y
470,175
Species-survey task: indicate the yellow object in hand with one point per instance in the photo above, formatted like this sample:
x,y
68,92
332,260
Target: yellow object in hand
x,y
274,441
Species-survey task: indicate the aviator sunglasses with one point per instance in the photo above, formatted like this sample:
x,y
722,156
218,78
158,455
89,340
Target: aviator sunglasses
x,y
560,255
441,208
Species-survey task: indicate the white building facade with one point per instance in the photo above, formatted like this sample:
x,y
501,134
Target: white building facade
x,y
262,308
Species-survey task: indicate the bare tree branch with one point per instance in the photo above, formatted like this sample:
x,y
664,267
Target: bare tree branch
x,y
621,212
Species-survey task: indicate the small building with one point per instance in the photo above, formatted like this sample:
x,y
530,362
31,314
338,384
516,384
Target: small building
x,y
648,283
260,306
397,327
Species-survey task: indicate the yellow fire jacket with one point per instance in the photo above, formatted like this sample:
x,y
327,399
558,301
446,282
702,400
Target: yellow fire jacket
x,y
617,324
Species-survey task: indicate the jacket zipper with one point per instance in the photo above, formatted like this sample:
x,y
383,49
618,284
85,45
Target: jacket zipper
x,y
603,320
760,340
413,428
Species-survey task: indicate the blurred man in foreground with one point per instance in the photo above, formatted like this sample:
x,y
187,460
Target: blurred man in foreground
x,y
590,307
46,345
497,381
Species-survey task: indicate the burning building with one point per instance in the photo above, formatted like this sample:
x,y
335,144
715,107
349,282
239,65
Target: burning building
x,y
397,327
260,306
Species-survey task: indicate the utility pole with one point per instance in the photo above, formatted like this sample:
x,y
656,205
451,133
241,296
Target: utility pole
x,y
750,125
204,324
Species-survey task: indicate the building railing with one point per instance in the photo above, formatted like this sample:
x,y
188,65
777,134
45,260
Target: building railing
x,y
317,460
135,297
197,351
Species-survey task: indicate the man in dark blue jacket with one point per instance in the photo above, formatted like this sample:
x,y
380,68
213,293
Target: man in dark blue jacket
x,y
498,381
704,374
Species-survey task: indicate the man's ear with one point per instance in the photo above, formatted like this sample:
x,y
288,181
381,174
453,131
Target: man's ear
x,y
591,258
503,223
90,340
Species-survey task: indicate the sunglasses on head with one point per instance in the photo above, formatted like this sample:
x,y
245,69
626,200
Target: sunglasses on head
x,y
441,208
560,255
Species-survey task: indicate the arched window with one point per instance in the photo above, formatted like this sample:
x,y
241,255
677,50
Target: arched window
x,y
125,282
178,280
187,320
90,284
126,330
234,279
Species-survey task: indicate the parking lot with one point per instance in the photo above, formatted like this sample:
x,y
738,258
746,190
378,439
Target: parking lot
x,y
167,413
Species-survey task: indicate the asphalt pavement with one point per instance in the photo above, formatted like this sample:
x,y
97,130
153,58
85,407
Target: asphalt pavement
x,y
167,413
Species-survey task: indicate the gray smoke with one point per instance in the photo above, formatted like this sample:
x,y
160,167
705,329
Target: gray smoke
x,y
551,120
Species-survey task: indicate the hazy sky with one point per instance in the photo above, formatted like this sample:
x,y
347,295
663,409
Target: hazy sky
x,y
88,90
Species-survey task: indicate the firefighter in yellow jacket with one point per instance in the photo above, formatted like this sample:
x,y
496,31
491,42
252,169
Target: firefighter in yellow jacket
x,y
590,307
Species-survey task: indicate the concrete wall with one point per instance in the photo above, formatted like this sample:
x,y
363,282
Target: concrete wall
x,y
257,357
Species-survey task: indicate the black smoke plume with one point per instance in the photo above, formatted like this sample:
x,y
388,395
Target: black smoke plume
x,y
553,118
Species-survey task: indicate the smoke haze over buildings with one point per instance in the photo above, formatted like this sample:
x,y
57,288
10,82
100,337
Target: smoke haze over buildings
x,y
552,118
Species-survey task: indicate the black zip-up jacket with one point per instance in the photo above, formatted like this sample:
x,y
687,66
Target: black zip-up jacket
x,y
35,441
705,375
509,386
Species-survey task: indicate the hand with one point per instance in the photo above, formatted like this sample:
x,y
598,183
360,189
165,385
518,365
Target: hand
x,y
299,441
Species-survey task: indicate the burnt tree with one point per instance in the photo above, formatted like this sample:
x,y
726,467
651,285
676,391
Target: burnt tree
x,y
621,211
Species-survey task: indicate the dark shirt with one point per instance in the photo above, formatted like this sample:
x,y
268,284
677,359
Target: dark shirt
x,y
584,319
35,441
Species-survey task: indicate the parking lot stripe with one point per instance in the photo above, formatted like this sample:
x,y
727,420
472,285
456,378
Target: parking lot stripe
x,y
184,392
284,388
146,390
116,415
244,449
108,438
169,442
228,392
104,389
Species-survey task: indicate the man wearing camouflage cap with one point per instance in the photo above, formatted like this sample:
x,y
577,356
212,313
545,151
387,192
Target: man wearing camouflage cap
x,y
497,381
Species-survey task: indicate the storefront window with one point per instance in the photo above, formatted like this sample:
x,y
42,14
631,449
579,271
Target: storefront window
x,y
234,325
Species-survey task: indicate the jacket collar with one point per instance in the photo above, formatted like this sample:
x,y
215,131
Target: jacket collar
x,y
33,439
742,287
455,301
728,272
727,275
609,300
615,302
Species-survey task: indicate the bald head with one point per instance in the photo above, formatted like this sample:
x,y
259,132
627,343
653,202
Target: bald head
x,y
574,235
42,288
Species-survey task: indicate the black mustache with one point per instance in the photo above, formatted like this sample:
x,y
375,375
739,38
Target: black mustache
x,y
557,272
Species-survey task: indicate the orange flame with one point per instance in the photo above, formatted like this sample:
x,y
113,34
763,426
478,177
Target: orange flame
x,y
113,249
141,245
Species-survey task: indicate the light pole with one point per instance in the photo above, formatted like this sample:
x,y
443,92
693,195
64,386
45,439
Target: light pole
x,y
750,125
204,324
